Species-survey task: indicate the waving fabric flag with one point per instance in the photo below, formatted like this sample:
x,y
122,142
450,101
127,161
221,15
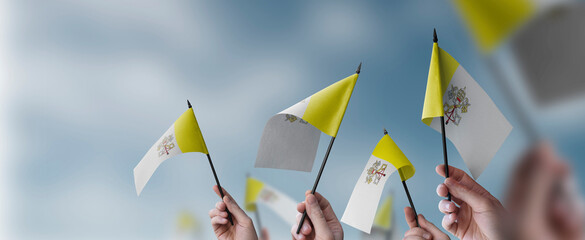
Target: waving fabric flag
x,y
385,160
291,137
281,204
473,122
183,136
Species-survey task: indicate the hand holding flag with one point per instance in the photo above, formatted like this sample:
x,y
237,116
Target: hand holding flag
x,y
386,159
426,230
468,116
322,223
182,137
242,227
290,144
477,212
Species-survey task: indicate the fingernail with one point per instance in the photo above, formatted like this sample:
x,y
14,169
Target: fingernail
x,y
426,235
305,227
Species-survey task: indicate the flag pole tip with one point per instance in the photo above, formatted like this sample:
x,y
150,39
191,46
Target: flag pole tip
x,y
385,132
435,39
359,69
189,103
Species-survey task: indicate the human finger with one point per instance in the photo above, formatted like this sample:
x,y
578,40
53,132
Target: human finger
x,y
410,217
447,207
450,222
434,230
217,220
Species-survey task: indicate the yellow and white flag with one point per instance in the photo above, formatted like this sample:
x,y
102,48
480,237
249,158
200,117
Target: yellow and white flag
x,y
183,136
386,159
259,192
492,21
291,137
473,122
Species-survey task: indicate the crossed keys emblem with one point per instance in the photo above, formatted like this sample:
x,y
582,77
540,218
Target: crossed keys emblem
x,y
376,172
456,103
165,145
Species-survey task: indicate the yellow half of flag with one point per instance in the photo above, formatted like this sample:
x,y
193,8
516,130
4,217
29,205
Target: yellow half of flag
x,y
491,21
327,107
188,134
383,217
389,151
253,188
441,71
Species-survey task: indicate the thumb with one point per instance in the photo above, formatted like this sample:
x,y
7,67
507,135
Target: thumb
x,y
479,201
410,217
315,213
424,223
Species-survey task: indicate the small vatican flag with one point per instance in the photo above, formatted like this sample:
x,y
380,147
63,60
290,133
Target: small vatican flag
x,y
291,137
183,136
386,159
473,123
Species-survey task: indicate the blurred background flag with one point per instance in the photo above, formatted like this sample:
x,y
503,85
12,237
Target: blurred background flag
x,y
383,218
545,39
260,192
291,137
188,226
360,212
183,136
473,122
549,53
384,227
492,21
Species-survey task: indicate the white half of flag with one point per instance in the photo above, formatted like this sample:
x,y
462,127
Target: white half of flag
x,y
364,200
165,147
287,135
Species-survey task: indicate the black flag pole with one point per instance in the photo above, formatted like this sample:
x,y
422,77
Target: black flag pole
x,y
317,181
445,158
322,167
410,200
407,192
216,179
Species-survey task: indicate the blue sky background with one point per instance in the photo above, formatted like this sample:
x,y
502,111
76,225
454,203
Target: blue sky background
x,y
94,84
